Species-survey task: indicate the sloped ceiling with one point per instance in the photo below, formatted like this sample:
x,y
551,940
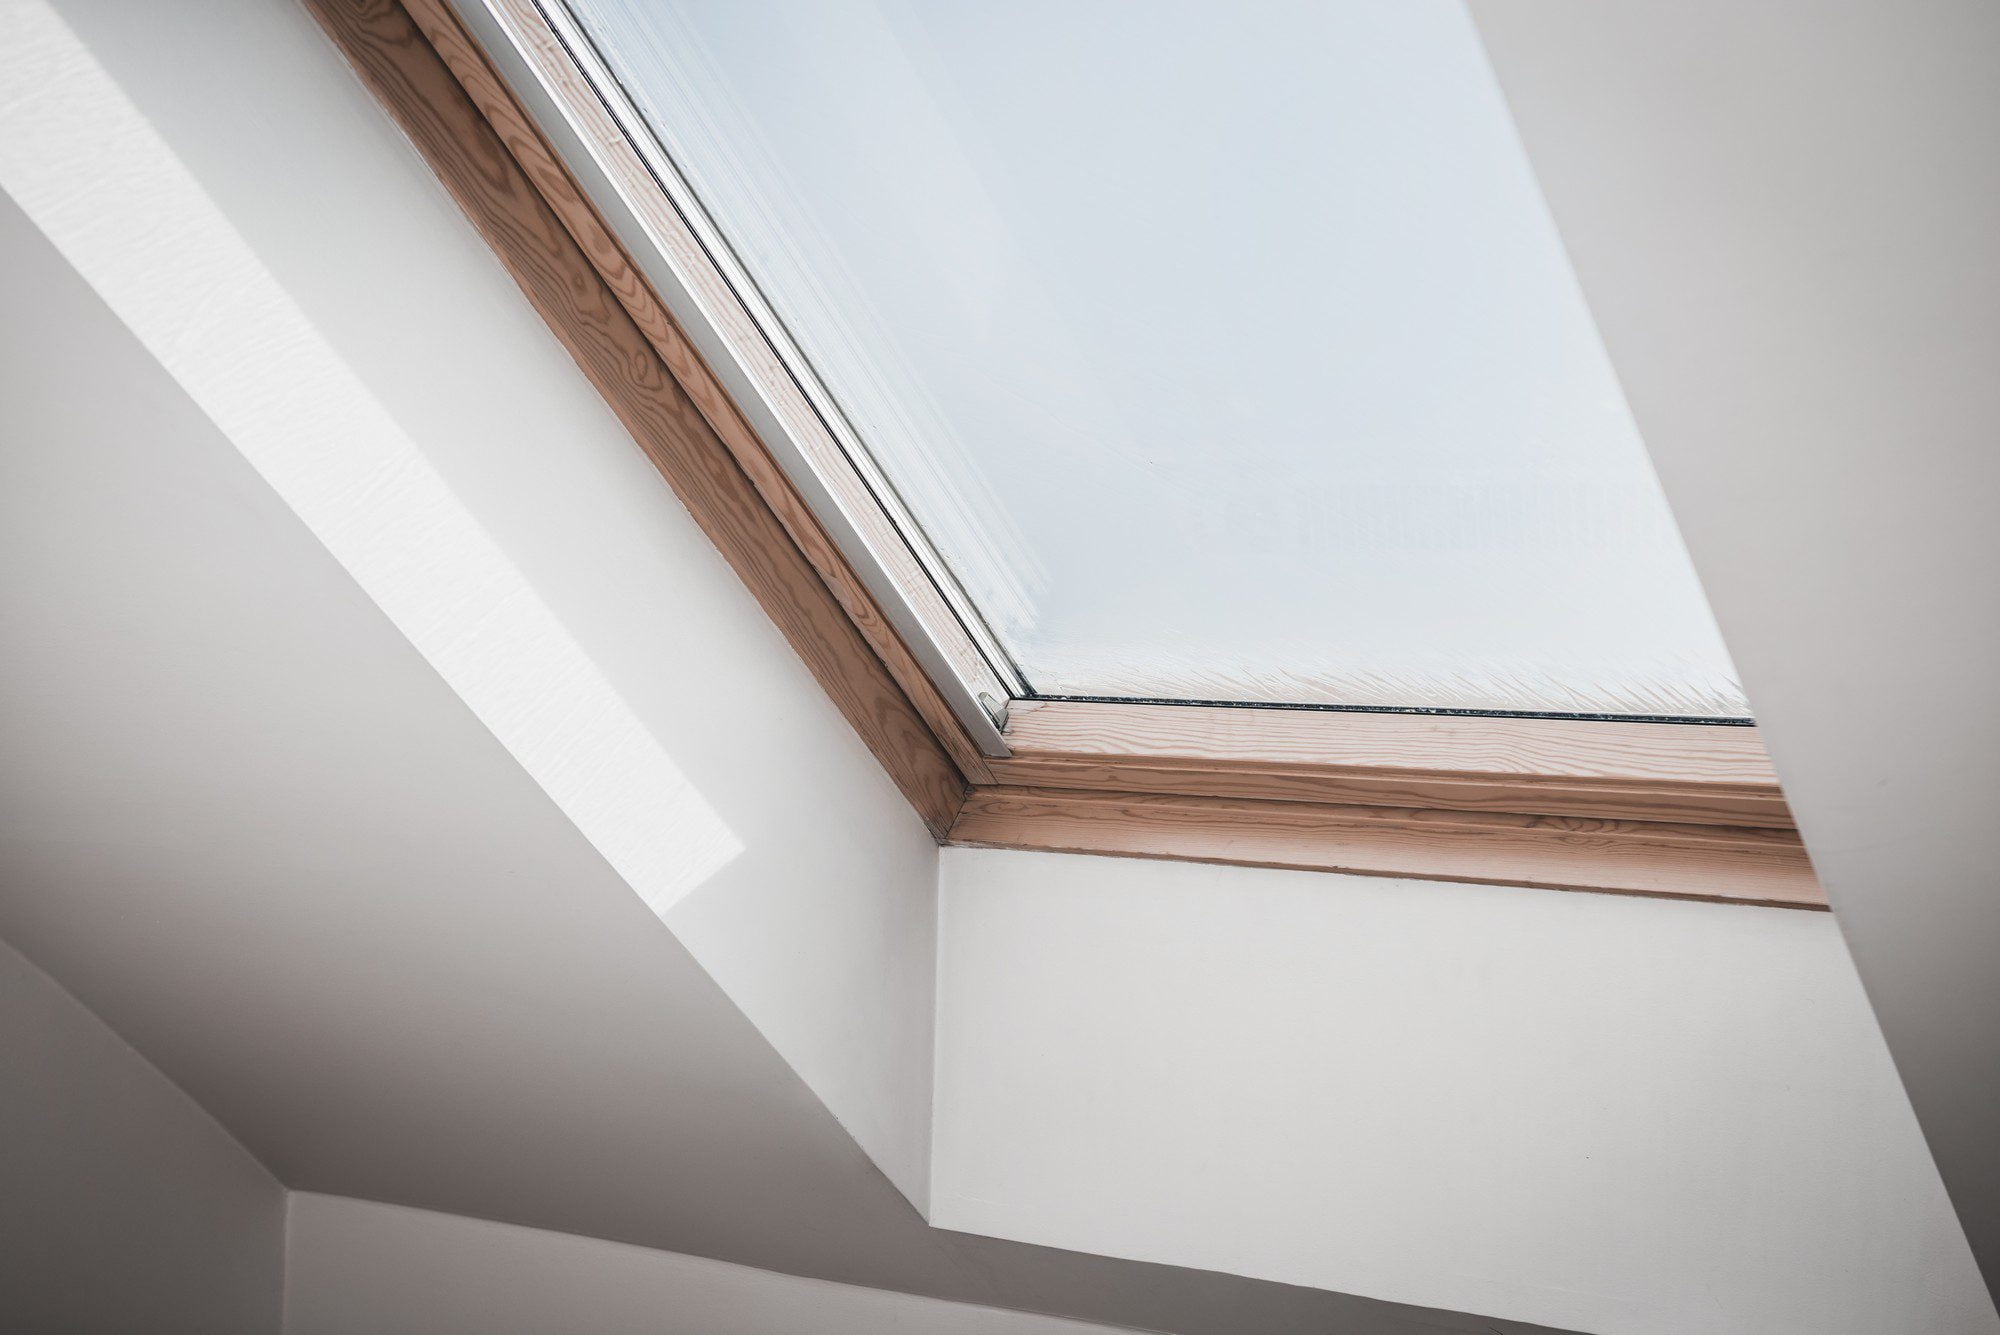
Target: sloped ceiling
x,y
255,830
1783,215
249,826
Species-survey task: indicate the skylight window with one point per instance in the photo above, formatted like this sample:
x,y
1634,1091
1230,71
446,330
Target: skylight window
x,y
1204,352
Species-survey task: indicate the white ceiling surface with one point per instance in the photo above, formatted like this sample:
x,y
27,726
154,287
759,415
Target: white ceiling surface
x,y
1628,1116
252,828
124,1206
306,280
1786,217
257,824
247,824
359,1266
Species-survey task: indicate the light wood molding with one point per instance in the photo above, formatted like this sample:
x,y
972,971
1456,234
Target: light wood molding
x,y
853,495
1563,767
1631,808
1724,864
618,273
593,315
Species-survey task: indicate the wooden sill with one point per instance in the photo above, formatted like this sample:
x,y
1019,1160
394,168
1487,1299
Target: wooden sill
x,y
1560,767
1719,863
1628,808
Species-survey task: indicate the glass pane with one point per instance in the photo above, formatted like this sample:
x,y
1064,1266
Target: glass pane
x,y
1225,351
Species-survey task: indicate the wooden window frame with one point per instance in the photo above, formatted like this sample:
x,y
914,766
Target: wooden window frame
x,y
1678,810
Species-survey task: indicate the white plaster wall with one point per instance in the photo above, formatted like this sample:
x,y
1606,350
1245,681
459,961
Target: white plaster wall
x,y
1783,215
123,1205
359,1268
1626,1116
261,834
313,289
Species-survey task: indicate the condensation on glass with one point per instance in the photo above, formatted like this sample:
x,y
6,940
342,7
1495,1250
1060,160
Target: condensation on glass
x,y
1225,352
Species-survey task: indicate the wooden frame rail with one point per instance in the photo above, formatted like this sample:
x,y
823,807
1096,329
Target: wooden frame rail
x,y
1559,767
1688,811
1717,862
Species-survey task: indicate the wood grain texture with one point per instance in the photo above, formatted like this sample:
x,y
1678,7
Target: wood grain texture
x,y
836,467
1727,864
594,322
1561,767
615,267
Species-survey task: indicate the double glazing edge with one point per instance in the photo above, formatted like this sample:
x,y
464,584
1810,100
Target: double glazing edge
x,y
861,510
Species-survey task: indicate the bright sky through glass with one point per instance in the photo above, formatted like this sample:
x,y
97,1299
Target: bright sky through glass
x,y
1226,351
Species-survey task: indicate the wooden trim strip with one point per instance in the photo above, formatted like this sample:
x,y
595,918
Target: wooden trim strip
x,y
615,267
1724,864
885,543
627,364
1560,767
